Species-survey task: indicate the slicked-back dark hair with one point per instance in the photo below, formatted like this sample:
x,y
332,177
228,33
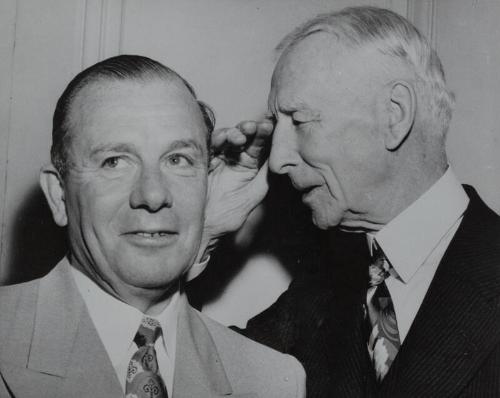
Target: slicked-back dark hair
x,y
121,67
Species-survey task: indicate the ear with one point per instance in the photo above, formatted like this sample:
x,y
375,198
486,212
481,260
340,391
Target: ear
x,y
402,107
53,188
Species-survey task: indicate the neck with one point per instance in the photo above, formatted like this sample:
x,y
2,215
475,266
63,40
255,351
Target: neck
x,y
409,187
402,189
151,301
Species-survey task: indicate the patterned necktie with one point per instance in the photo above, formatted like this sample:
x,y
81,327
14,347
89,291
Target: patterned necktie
x,y
383,344
143,378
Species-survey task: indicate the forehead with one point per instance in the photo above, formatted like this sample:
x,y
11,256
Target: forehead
x,y
318,67
107,106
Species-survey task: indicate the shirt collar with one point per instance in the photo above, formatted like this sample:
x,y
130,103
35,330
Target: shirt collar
x,y
117,322
409,238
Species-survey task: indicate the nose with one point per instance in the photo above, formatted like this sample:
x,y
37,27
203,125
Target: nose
x,y
151,192
284,155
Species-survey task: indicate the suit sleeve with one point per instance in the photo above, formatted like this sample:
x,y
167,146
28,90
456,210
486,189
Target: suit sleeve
x,y
276,327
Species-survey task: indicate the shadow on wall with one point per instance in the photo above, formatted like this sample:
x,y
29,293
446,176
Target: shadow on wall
x,y
38,243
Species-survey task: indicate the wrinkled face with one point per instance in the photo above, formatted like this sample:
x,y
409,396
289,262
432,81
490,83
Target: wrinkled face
x,y
136,188
327,136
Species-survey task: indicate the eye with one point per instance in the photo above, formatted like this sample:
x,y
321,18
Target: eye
x,y
303,117
179,160
112,162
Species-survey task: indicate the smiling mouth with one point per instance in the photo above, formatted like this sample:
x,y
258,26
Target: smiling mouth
x,y
151,238
152,234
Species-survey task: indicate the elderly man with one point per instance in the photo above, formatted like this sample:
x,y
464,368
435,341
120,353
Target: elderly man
x,y
361,114
128,180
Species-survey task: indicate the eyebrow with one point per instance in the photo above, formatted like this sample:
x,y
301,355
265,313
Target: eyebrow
x,y
289,107
121,147
111,147
181,144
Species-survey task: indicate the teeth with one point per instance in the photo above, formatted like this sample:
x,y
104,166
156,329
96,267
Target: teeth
x,y
151,235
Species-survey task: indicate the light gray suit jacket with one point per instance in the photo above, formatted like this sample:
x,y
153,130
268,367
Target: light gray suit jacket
x,y
49,347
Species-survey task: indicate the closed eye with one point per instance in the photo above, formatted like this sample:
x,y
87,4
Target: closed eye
x,y
302,117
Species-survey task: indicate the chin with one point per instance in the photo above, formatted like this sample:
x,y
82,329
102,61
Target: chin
x,y
324,222
326,214
152,275
154,282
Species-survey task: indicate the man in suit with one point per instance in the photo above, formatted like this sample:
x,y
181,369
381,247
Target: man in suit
x,y
410,306
128,180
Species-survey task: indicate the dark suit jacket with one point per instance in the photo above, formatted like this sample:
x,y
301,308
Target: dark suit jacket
x,y
452,348
49,347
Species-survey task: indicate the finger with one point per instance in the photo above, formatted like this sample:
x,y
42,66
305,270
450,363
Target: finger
x,y
267,125
247,127
264,128
235,137
261,139
215,162
228,141
261,183
219,137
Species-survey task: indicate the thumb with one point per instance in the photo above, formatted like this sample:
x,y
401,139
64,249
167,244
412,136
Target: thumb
x,y
260,183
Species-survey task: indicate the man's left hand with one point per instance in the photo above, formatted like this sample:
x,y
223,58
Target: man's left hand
x,y
237,177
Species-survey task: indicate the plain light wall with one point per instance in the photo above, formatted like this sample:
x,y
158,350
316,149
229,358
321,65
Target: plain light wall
x,y
467,39
225,49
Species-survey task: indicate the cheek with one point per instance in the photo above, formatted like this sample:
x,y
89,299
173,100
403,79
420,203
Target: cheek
x,y
323,156
95,206
189,199
315,148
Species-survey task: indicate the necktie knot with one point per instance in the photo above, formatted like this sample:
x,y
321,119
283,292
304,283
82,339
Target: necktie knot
x,y
379,267
148,332
143,377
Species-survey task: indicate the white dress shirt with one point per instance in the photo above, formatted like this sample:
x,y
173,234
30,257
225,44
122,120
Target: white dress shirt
x,y
415,241
117,323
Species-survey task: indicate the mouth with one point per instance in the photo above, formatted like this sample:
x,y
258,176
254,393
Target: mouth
x,y
151,237
152,234
306,191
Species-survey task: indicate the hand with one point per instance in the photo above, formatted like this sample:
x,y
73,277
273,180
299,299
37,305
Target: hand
x,y
237,180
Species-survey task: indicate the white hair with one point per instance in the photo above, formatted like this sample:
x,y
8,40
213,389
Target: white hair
x,y
394,36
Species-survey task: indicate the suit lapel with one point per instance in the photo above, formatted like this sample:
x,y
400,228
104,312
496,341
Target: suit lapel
x,y
65,349
198,368
347,354
343,337
458,322
58,313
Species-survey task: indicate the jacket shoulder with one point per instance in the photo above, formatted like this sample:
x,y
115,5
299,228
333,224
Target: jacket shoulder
x,y
17,315
475,249
12,296
250,365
